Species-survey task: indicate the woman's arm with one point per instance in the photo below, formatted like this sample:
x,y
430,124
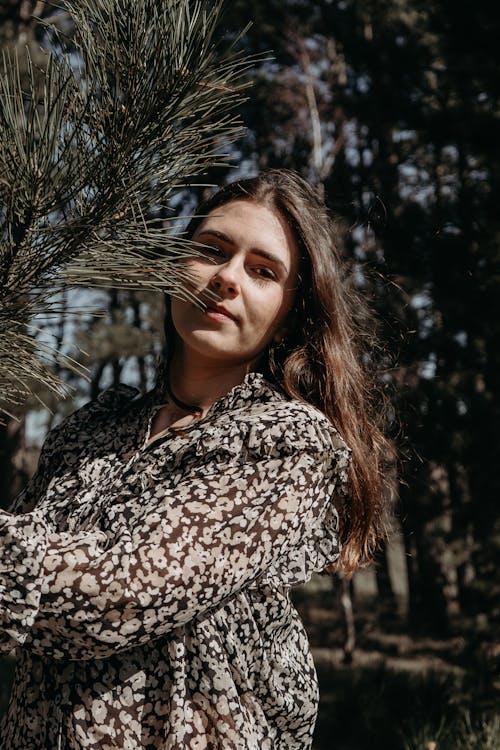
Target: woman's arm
x,y
27,499
79,596
62,439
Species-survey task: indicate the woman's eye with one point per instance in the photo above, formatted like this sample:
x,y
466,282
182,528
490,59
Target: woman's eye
x,y
265,273
211,250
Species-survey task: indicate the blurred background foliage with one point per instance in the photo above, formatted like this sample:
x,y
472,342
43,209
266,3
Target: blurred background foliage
x,y
392,109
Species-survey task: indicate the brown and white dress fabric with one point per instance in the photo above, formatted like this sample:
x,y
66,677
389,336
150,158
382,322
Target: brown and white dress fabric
x,y
146,584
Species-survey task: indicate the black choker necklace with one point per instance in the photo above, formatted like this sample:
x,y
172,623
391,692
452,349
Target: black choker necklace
x,y
187,407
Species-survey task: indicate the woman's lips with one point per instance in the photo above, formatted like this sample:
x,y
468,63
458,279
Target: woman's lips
x,y
218,312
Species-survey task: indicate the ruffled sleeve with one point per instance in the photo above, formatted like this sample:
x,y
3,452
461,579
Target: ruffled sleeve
x,y
239,515
311,432
35,488
65,440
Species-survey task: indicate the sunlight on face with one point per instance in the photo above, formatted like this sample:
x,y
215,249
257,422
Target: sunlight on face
x,y
251,263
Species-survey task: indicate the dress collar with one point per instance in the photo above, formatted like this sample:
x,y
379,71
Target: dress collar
x,y
254,387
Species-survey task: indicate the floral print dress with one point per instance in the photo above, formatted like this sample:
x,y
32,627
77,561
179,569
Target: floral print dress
x,y
145,584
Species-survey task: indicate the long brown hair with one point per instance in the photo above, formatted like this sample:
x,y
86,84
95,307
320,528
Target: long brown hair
x,y
321,358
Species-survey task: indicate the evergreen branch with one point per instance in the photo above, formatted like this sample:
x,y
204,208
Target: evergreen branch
x,y
133,109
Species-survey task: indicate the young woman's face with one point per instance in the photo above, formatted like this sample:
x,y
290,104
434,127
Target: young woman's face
x,y
252,265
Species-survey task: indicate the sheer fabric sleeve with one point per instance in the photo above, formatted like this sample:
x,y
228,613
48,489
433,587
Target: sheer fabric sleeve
x,y
85,595
60,438
27,499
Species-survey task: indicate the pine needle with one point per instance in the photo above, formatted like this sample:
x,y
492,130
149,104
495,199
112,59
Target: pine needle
x,y
139,104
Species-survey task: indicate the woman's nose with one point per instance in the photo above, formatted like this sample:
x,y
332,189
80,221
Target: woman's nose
x,y
225,280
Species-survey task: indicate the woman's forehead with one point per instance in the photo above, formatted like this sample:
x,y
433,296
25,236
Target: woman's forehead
x,y
248,222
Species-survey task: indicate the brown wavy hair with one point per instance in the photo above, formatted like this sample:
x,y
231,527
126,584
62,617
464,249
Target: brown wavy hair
x,y
321,359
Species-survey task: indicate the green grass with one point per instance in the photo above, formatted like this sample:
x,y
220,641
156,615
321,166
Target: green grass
x,y
463,734
380,709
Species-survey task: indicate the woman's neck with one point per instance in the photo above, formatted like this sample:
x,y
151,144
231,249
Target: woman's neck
x,y
203,382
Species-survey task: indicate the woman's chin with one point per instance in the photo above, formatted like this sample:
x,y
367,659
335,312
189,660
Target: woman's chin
x,y
206,348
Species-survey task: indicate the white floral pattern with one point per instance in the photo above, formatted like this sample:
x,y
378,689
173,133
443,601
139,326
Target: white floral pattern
x,y
146,586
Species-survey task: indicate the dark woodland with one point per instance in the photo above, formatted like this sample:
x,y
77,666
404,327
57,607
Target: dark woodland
x,y
392,110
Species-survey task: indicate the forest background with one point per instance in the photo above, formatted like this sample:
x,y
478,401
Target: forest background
x,y
392,109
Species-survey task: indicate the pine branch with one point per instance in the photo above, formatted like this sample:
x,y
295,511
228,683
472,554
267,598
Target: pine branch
x,y
137,106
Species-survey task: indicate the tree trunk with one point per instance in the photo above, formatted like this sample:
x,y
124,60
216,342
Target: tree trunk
x,y
425,545
348,615
12,479
387,599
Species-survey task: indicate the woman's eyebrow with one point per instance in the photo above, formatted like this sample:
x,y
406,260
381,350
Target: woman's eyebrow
x,y
271,257
256,250
216,233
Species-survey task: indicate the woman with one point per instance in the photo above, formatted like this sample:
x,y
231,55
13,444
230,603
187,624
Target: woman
x,y
145,579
